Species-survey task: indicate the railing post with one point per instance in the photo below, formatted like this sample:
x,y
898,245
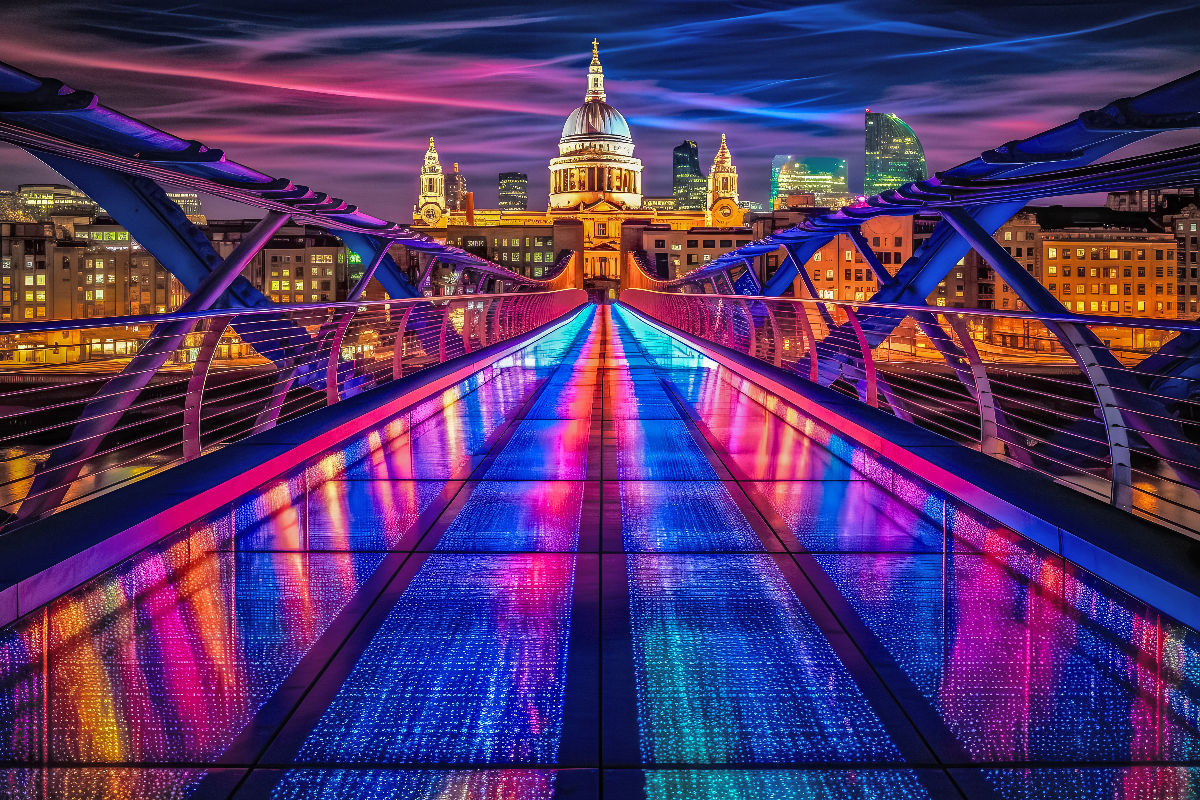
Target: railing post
x,y
332,395
1077,344
989,429
872,390
442,334
398,348
776,337
814,362
193,401
468,326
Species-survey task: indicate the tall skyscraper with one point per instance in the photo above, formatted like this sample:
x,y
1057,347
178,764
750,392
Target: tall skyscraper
x,y
456,190
823,178
689,185
514,191
777,165
893,153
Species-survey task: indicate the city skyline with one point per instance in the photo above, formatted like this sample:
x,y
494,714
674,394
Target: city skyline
x,y
284,100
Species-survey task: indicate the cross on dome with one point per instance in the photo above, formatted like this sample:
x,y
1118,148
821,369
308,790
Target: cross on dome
x,y
595,89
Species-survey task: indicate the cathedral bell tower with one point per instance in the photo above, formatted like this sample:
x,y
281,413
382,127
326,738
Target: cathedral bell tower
x,y
431,202
723,208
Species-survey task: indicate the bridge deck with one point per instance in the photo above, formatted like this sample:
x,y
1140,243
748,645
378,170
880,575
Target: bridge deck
x,y
605,572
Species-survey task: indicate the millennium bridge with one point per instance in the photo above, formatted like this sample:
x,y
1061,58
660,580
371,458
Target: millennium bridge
x,y
708,541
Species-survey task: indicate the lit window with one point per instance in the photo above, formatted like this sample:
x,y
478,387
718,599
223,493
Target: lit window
x,y
817,256
99,294
41,280
1051,252
849,255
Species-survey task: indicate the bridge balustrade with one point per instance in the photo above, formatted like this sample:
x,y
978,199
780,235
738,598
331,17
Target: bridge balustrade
x,y
1106,405
88,405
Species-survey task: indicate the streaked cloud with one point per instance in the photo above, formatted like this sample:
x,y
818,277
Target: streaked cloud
x,y
346,101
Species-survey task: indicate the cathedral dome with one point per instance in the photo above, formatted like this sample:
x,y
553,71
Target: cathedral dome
x,y
596,118
595,160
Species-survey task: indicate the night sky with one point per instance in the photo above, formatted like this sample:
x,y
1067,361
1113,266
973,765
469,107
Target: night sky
x,y
345,102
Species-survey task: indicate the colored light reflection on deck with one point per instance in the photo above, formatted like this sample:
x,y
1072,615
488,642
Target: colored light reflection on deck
x,y
468,668
486,784
731,670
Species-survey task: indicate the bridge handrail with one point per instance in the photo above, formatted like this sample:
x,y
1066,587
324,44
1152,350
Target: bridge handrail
x,y
87,405
1073,397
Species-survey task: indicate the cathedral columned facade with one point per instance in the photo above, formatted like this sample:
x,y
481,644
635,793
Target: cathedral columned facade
x,y
596,192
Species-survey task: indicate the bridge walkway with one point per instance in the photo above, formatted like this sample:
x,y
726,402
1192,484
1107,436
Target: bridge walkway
x,y
607,571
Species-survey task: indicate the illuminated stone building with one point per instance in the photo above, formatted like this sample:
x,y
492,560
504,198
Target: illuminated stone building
x,y
431,201
723,188
1111,272
595,190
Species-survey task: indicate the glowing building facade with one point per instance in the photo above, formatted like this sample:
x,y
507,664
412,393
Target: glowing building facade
x,y
595,162
595,191
456,190
893,153
823,178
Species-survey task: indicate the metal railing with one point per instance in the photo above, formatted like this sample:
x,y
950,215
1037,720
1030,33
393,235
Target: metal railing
x,y
1109,406
87,405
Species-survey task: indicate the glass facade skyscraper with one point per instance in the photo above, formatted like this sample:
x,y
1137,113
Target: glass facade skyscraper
x,y
689,186
823,178
893,153
514,191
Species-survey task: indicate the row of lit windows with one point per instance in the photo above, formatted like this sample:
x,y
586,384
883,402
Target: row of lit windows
x,y
1111,253
1160,271
1112,288
298,286
515,241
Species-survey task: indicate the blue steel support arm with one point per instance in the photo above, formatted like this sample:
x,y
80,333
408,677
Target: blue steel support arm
x,y
388,274
103,413
159,225
1138,411
800,253
800,268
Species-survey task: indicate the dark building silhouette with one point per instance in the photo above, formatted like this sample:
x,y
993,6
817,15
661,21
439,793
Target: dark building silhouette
x,y
689,186
456,190
514,191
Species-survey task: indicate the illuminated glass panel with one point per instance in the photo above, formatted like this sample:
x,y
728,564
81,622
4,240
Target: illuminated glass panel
x,y
854,515
774,784
517,515
544,450
167,658
1027,662
659,450
1119,783
665,516
332,784
468,668
731,669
